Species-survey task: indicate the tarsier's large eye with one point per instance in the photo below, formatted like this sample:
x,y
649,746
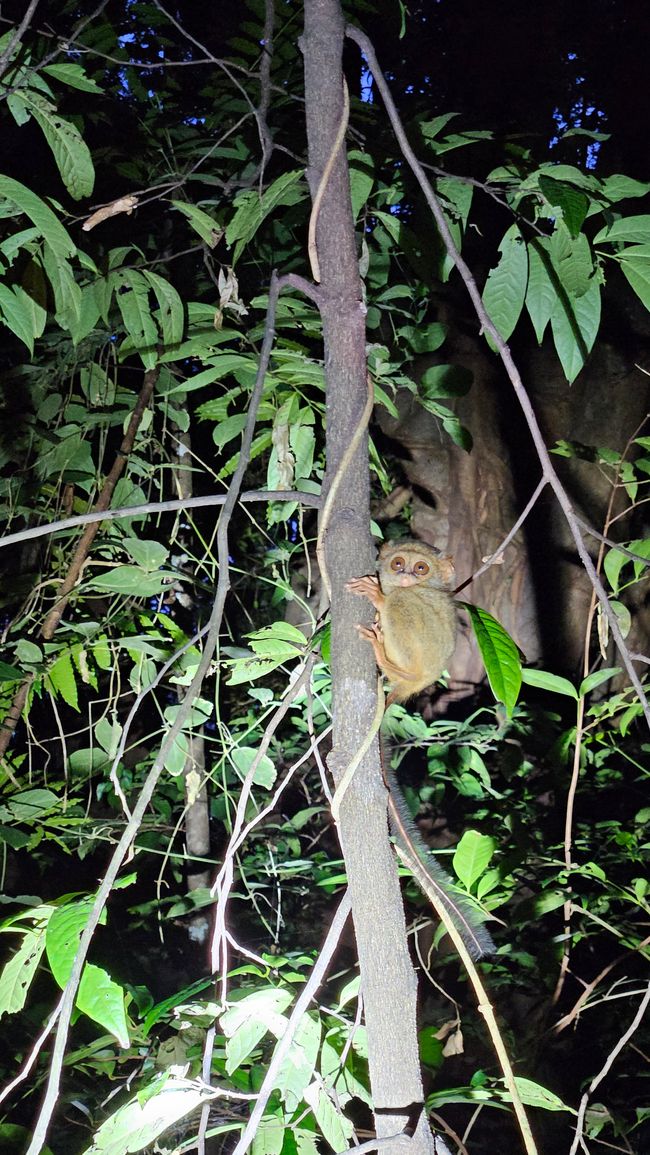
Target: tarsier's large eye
x,y
421,568
398,564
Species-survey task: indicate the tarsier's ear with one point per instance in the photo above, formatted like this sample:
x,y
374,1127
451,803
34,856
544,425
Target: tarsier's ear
x,y
446,569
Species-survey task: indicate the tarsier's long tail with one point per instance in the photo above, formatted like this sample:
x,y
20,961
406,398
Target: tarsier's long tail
x,y
434,882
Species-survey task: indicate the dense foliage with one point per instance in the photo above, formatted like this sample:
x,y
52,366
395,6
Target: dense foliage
x,y
153,178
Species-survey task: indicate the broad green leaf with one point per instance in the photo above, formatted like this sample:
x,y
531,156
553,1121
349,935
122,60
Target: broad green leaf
x,y
177,755
635,263
572,203
362,178
171,308
541,292
69,149
573,262
252,209
575,323
18,973
597,679
472,855
424,339
265,771
73,75
542,680
534,1095
500,655
505,288
615,560
248,1020
9,673
30,805
132,581
149,554
203,224
270,1134
21,314
136,1125
335,1127
67,293
41,216
132,295
61,680
617,187
28,653
228,429
299,1063
102,1000
633,230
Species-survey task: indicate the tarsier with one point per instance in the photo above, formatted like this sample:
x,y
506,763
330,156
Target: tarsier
x,y
413,637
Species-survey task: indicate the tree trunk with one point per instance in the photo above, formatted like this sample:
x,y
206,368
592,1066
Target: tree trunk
x,y
388,984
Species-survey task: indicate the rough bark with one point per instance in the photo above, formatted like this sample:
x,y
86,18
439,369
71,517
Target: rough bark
x,y
388,982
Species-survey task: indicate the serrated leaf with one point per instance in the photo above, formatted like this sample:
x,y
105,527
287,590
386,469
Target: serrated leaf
x,y
505,288
542,680
500,656
472,855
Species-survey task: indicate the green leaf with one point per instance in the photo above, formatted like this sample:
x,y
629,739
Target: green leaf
x,y
618,187
534,1095
137,1124
73,75
41,216
426,338
597,679
149,554
69,149
572,203
635,263
500,655
132,295
102,1000
132,582
336,1129
61,680
362,178
203,224
265,772
542,680
541,292
299,1063
9,673
19,971
253,209
172,320
30,805
634,229
228,429
248,1020
22,314
472,855
575,322
505,288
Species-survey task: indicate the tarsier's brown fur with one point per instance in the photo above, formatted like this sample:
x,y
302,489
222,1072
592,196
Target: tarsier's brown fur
x,y
413,638
414,634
